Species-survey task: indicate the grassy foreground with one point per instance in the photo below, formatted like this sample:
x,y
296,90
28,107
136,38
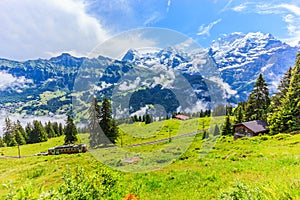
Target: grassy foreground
x,y
251,168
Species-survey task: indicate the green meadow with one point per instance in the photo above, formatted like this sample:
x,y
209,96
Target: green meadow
x,y
263,167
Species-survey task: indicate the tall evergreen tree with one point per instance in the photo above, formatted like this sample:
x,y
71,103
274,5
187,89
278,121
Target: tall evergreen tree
x,y
38,133
282,90
94,126
49,130
20,128
70,131
2,143
227,128
148,119
55,128
19,137
28,129
238,115
287,116
216,130
8,134
107,123
258,101
60,129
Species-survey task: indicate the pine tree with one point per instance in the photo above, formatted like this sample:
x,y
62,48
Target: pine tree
x,y
70,131
287,117
282,90
2,143
258,101
148,119
19,137
94,126
238,115
55,128
227,128
60,129
8,135
216,130
49,130
38,133
107,123
28,129
228,108
20,128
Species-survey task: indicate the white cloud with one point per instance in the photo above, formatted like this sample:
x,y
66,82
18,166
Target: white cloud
x,y
205,30
290,15
142,111
293,8
240,8
31,29
9,81
117,46
125,86
225,86
169,5
226,6
155,17
29,119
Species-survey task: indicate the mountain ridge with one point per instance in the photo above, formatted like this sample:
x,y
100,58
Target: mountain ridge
x,y
233,61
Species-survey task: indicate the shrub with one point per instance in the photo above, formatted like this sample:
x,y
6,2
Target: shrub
x,y
80,185
242,191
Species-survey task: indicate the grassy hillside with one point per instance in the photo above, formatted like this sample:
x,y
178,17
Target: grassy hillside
x,y
250,168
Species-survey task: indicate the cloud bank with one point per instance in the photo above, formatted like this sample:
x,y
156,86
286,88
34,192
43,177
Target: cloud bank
x,y
43,28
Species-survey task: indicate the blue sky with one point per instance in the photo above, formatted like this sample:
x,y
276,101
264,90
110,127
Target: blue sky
x,y
43,28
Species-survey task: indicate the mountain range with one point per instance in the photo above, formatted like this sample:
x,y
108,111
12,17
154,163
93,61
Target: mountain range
x,y
165,77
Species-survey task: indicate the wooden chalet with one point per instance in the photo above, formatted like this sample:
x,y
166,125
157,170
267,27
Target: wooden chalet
x,y
250,129
182,117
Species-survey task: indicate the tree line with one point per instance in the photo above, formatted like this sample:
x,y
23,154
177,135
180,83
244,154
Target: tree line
x,y
281,111
15,134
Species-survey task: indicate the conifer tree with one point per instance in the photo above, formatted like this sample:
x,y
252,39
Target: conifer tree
x,y
94,126
38,133
2,143
20,128
49,130
60,129
28,129
8,134
238,115
258,101
287,117
282,90
55,128
227,128
19,137
148,119
70,131
216,130
107,123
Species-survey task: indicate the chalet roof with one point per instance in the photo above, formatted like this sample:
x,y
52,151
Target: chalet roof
x,y
257,126
182,117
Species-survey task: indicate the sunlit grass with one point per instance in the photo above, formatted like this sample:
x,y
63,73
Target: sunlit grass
x,y
266,166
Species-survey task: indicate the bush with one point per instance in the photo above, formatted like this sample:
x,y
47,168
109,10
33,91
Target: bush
x,y
242,191
80,185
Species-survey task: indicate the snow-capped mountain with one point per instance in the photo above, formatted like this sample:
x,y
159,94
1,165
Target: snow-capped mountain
x,y
227,68
242,57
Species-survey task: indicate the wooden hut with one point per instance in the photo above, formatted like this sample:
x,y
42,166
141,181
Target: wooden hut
x,y
250,129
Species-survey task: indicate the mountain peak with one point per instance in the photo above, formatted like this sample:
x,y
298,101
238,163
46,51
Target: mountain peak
x,y
66,59
130,55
